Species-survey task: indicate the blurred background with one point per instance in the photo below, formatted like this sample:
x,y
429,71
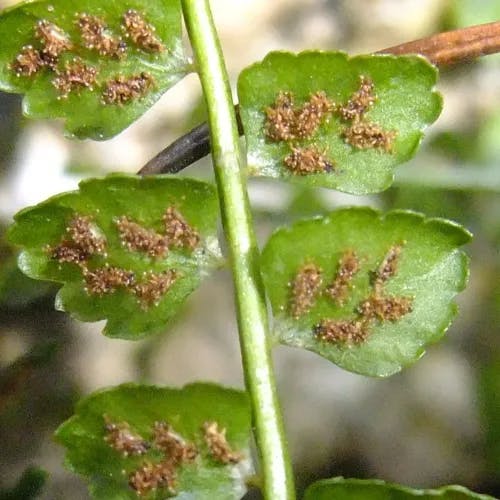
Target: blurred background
x,y
436,423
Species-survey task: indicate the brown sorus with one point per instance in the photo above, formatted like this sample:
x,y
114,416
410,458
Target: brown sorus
x,y
105,280
348,266
28,62
67,251
218,446
308,118
172,445
83,242
121,89
154,286
84,234
121,438
306,161
285,122
141,32
140,239
178,232
76,76
367,135
280,118
385,308
338,331
305,289
53,38
95,36
388,266
360,102
149,477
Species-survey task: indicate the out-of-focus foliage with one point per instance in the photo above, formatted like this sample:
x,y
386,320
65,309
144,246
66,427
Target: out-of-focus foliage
x,y
30,485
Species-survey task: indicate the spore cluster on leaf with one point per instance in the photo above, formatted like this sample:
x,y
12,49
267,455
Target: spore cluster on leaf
x,y
307,288
52,47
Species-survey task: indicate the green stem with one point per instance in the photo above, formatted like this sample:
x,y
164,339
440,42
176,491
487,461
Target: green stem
x,y
236,218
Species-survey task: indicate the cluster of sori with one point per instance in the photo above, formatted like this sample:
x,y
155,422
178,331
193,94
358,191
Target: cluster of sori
x,y
175,452
75,74
308,286
289,123
83,239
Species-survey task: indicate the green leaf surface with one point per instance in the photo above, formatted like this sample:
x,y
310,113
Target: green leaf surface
x,y
373,489
131,312
85,112
30,485
16,289
405,103
186,410
428,273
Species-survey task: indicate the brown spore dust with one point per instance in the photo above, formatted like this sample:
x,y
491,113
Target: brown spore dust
x,y
280,118
28,62
307,160
83,240
348,267
385,308
309,117
121,438
154,286
379,305
305,289
106,280
346,332
53,39
68,252
83,232
367,135
137,238
286,122
95,36
359,102
218,446
178,233
174,447
141,32
388,267
75,76
151,476
123,89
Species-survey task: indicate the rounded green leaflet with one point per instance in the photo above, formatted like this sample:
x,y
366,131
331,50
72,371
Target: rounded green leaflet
x,y
127,249
324,119
119,439
365,290
374,489
98,65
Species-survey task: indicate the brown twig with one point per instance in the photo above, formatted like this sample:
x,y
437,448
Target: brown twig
x,y
453,47
443,49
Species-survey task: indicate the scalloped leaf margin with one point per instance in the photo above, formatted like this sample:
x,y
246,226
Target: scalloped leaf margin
x,y
390,320
42,231
404,104
86,112
93,452
374,489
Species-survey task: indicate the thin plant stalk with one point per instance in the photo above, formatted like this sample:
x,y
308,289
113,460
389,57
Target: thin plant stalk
x,y
244,254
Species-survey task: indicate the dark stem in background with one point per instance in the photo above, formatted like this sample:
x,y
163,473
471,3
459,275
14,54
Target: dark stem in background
x,y
443,49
